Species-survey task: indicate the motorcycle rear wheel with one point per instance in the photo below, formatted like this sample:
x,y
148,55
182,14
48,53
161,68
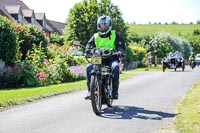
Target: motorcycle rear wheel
x,y
96,94
109,99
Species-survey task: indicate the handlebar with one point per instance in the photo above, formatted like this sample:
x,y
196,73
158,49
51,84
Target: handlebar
x,y
100,54
103,53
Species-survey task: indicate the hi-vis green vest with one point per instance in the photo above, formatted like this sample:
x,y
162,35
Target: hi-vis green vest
x,y
105,43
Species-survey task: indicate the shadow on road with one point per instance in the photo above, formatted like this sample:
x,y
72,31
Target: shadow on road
x,y
130,112
181,71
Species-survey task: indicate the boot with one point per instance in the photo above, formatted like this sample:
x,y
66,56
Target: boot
x,y
88,94
115,85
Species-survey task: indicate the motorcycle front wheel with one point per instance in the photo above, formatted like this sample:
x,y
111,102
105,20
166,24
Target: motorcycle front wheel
x,y
96,94
193,65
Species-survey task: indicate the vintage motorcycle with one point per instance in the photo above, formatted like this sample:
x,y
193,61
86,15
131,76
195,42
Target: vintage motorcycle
x,y
101,79
192,63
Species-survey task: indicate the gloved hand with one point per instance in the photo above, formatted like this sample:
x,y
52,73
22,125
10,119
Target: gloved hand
x,y
120,54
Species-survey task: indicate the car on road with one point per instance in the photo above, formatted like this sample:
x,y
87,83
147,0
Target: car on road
x,y
197,59
173,61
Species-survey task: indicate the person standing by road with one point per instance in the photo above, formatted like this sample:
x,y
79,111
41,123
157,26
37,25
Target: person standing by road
x,y
148,58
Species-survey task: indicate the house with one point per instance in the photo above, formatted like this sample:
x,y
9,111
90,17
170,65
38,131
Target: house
x,y
56,26
19,11
41,19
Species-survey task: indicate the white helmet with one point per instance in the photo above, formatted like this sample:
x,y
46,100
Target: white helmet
x,y
104,24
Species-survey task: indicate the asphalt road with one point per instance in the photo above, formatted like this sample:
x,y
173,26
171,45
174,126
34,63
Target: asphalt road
x,y
146,105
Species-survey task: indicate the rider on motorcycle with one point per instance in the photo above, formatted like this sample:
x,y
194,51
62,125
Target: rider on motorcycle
x,y
192,57
106,39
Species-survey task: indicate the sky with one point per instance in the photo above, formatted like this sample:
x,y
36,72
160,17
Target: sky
x,y
138,11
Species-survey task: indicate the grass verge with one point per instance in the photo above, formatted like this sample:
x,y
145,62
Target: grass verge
x,y
151,69
11,97
188,118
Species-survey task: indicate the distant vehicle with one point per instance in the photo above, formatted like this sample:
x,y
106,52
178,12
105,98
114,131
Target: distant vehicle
x,y
192,63
197,60
173,61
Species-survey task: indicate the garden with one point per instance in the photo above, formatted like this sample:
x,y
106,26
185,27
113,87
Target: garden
x,y
27,59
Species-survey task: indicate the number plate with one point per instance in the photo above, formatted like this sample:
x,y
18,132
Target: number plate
x,y
96,60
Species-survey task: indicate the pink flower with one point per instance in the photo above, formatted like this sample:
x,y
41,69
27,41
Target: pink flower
x,y
17,27
39,74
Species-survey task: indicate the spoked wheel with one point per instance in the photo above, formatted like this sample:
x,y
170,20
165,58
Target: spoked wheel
x,y
96,94
109,99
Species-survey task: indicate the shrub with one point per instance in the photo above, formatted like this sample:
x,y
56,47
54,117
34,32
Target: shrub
x,y
29,35
196,32
138,52
128,56
38,36
58,65
32,65
11,76
8,41
56,38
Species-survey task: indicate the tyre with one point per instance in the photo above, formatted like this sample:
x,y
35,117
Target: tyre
x,y
193,64
109,99
96,94
183,66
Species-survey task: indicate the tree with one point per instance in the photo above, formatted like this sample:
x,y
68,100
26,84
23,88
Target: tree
x,y
164,42
106,7
159,46
195,43
174,22
83,16
196,32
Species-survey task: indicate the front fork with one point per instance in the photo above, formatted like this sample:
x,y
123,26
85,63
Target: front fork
x,y
107,87
96,72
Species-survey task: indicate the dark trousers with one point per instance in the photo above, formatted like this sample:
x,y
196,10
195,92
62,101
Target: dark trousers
x,y
114,64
